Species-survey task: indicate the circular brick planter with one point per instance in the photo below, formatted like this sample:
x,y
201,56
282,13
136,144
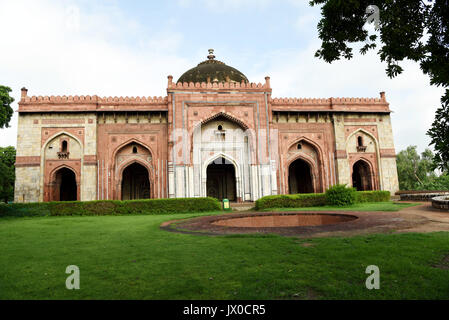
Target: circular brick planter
x,y
422,196
441,203
339,223
283,220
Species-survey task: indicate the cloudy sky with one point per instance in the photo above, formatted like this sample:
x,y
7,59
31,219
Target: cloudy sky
x,y
124,48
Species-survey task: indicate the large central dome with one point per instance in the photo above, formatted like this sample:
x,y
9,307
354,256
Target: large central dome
x,y
213,70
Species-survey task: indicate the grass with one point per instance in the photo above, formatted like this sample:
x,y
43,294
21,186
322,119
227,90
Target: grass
x,y
367,206
129,257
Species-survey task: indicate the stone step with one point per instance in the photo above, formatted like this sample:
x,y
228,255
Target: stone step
x,y
243,206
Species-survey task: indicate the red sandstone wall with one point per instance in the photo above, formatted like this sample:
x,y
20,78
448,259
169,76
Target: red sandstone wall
x,y
321,136
113,136
188,105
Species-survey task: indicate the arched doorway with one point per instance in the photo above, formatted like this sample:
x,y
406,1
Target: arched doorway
x,y
221,182
300,177
135,182
361,176
64,188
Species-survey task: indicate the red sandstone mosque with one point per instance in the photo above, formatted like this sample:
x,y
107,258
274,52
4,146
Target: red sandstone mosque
x,y
214,134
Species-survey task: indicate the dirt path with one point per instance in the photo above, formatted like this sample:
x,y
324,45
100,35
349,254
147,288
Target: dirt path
x,y
421,218
436,220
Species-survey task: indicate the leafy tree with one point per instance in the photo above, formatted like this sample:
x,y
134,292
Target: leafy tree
x,y
440,183
7,173
414,170
417,172
416,30
6,111
439,134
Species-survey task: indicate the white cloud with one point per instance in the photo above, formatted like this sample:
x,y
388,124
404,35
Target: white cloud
x,y
306,22
57,48
226,5
413,101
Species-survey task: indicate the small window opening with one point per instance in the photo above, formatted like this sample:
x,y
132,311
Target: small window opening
x,y
220,134
64,146
299,146
359,141
134,149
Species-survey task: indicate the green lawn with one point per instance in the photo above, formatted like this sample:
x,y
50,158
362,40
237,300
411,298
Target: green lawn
x,y
129,257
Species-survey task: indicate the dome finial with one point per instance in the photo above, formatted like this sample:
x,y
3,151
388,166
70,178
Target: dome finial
x,y
211,55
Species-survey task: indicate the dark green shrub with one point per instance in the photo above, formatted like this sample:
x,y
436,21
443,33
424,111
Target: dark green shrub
x,y
291,201
340,195
320,199
112,207
372,196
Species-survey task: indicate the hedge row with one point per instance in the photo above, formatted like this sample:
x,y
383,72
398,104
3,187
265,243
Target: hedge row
x,y
291,201
315,199
112,207
372,196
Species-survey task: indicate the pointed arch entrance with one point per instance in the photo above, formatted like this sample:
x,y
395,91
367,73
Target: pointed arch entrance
x,y
221,181
133,172
223,135
362,176
135,182
300,179
64,186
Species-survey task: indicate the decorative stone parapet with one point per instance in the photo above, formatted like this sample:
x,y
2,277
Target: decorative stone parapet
x,y
91,100
220,85
89,103
332,104
300,101
441,203
63,155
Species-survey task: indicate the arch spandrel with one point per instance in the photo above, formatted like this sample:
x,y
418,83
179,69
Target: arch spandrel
x,y
132,151
306,149
53,147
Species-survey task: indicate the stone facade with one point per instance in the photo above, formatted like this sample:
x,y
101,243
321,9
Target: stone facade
x,y
268,145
